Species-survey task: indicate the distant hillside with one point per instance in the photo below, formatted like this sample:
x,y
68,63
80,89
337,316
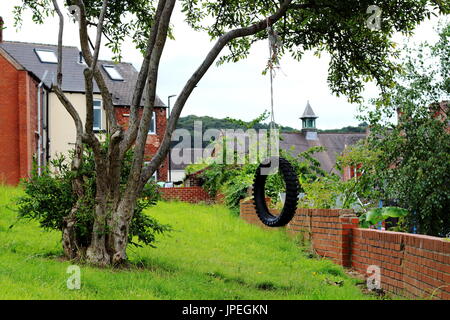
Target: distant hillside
x,y
214,123
361,128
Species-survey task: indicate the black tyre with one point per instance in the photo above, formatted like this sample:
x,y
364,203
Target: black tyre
x,y
292,189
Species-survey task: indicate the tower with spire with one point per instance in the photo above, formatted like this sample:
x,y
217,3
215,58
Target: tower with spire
x,y
308,119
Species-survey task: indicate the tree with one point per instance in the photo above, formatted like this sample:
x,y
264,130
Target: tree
x,y
358,54
413,156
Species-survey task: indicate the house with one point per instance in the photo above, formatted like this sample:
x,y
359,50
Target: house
x,y
309,136
34,124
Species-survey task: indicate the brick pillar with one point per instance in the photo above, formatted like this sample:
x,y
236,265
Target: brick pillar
x,y
348,223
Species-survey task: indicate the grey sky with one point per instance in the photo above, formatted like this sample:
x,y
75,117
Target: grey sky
x,y
236,90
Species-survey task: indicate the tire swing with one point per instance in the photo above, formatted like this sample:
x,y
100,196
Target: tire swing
x,y
292,190
286,170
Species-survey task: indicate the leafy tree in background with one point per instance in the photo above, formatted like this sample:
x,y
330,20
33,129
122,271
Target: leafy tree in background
x,y
357,53
413,156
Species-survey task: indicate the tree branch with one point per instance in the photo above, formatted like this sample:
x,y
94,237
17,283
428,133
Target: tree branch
x,y
88,57
60,40
77,158
133,124
197,76
99,34
155,57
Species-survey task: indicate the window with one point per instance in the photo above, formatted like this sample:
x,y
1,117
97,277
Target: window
x,y
113,73
46,56
153,125
97,115
310,123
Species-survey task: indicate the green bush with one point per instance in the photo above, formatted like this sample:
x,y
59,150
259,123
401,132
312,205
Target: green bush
x,y
49,199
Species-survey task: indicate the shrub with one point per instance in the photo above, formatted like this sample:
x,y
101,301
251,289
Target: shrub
x,y
49,199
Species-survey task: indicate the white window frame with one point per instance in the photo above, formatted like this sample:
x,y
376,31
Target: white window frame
x,y
100,107
40,52
113,73
154,124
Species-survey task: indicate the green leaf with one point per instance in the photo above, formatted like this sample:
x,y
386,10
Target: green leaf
x,y
393,212
374,216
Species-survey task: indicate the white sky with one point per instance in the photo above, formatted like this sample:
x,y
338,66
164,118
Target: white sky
x,y
233,90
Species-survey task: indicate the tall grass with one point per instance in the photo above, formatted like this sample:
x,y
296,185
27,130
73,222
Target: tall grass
x,y
211,254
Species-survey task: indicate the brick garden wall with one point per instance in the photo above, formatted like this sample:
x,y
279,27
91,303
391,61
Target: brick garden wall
x,y
414,265
186,194
411,265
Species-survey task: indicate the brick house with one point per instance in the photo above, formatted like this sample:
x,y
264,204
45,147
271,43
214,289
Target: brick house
x,y
34,124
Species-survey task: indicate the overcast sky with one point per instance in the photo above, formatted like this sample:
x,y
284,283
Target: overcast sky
x,y
233,90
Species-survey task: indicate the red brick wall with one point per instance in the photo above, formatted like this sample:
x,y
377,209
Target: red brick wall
x,y
186,194
327,229
153,140
31,127
9,123
18,95
411,265
414,265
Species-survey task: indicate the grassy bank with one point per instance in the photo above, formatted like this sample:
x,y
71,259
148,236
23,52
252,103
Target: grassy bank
x,y
211,254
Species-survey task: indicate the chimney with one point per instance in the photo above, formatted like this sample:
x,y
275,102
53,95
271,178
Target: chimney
x,y
1,29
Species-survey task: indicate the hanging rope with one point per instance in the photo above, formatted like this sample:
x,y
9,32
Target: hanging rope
x,y
273,63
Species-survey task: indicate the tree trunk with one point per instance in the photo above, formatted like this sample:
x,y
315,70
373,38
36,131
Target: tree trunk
x,y
69,239
119,227
97,252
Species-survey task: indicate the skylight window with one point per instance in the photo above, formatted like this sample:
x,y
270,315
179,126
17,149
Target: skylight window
x,y
46,56
113,73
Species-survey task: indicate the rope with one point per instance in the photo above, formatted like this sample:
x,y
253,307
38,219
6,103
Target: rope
x,y
272,113
274,44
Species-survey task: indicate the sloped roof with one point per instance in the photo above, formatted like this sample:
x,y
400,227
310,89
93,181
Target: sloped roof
x,y
73,79
334,143
295,143
308,113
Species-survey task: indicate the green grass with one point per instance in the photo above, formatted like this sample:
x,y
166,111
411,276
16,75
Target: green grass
x,y
211,254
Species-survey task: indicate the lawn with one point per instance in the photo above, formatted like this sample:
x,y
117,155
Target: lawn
x,y
211,254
